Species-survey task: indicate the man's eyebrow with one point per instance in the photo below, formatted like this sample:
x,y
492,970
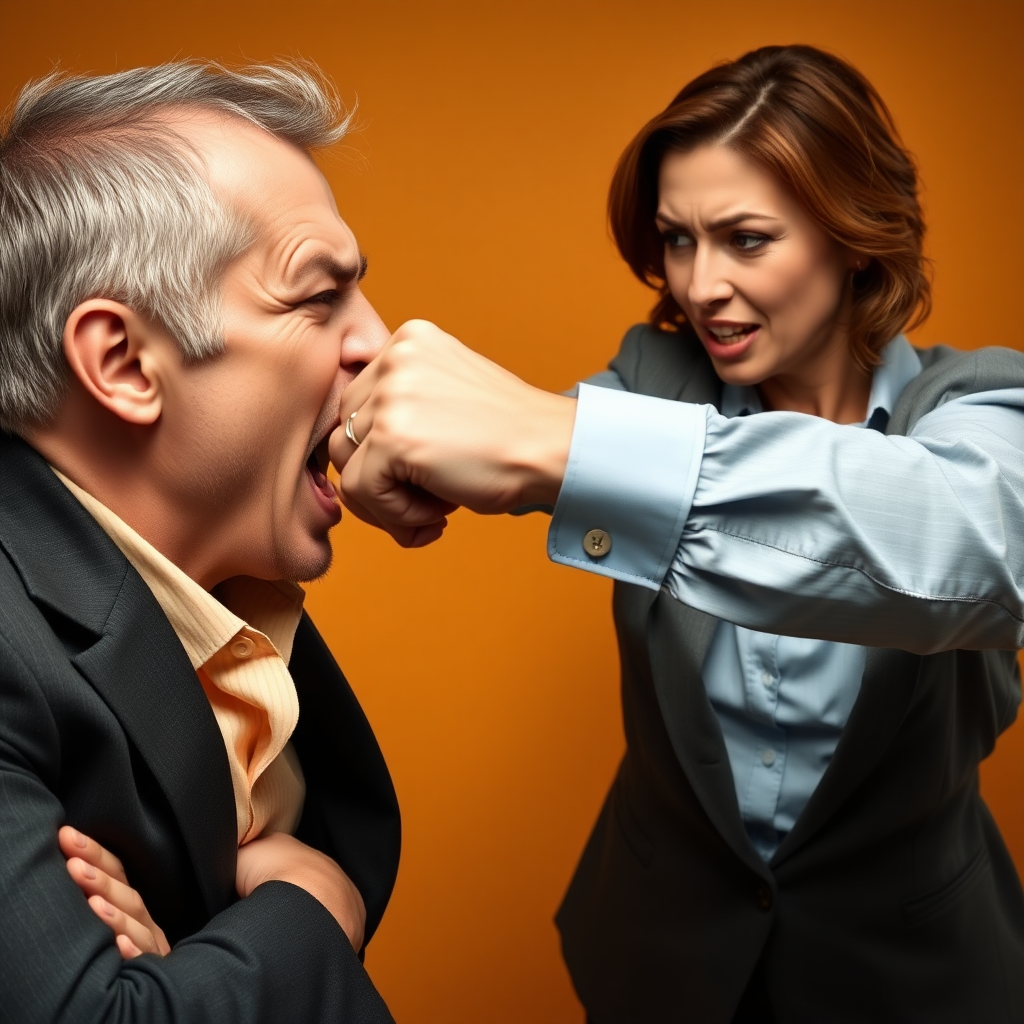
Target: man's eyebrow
x,y
716,225
325,263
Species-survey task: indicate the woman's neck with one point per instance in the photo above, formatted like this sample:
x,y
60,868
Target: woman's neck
x,y
834,388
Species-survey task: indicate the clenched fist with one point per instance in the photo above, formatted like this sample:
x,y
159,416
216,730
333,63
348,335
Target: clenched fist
x,y
439,426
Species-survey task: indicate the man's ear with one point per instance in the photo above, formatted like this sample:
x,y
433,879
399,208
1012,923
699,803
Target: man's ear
x,y
118,358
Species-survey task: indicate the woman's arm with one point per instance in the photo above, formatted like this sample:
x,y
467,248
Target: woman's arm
x,y
796,525
780,521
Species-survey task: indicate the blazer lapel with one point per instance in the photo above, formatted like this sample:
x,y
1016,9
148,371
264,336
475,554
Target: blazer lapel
x,y
890,679
142,672
675,366
692,726
136,662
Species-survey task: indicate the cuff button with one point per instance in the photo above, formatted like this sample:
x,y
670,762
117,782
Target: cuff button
x,y
597,543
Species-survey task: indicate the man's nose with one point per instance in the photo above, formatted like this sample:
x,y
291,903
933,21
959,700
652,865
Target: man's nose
x,y
365,335
709,278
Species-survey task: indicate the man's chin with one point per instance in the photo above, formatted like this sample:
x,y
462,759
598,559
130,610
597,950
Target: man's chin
x,y
309,566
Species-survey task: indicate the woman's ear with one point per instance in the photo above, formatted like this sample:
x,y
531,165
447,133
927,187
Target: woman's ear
x,y
118,358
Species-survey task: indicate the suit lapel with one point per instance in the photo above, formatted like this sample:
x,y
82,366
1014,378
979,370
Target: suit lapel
x,y
142,672
136,662
675,366
890,680
693,728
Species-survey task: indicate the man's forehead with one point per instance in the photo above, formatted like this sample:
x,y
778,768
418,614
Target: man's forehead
x,y
244,162
278,188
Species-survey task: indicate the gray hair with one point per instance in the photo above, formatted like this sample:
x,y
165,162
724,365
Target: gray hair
x,y
99,197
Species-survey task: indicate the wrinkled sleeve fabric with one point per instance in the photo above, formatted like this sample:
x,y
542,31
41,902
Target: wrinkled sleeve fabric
x,y
791,524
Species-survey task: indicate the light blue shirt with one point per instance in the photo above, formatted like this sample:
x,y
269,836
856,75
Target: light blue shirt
x,y
810,541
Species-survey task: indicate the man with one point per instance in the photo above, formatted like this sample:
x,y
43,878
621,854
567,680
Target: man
x,y
180,312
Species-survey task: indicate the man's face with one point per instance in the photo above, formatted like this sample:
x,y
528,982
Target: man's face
x,y
297,329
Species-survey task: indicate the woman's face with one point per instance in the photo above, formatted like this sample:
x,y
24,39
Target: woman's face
x,y
767,291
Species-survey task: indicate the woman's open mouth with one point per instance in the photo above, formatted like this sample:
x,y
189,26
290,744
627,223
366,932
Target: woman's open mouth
x,y
729,341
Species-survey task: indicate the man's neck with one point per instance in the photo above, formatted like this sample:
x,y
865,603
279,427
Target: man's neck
x,y
117,470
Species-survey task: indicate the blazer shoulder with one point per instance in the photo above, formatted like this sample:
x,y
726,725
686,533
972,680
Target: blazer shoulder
x,y
948,373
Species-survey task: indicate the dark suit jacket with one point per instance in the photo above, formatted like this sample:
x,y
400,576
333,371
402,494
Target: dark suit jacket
x,y
893,899
104,726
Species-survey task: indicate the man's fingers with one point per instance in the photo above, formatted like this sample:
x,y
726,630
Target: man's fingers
x,y
100,876
125,902
74,844
127,948
122,925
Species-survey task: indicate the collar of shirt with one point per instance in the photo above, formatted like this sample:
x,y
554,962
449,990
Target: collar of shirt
x,y
899,366
239,643
203,623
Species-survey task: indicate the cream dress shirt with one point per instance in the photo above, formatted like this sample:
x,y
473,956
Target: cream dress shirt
x,y
239,643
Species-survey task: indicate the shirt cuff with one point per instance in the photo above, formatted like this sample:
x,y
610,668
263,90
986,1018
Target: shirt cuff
x,y
629,484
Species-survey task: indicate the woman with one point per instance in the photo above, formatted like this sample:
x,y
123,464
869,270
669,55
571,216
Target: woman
x,y
795,828
815,529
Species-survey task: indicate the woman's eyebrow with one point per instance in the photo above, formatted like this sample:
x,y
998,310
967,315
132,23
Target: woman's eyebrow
x,y
716,225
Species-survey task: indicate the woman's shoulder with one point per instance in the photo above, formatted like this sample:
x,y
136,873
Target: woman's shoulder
x,y
982,369
666,364
948,373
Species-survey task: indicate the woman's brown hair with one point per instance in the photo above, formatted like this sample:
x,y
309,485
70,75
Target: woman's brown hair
x,y
817,126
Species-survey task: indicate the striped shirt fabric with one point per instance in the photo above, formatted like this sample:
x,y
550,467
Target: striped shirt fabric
x,y
239,640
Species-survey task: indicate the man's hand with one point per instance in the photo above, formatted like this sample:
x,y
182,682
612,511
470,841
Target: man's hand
x,y
281,857
99,874
440,426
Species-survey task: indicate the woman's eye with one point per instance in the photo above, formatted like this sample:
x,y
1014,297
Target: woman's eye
x,y
676,239
748,242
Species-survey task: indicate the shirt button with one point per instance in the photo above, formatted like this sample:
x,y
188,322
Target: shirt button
x,y
597,543
768,758
242,647
766,678
764,897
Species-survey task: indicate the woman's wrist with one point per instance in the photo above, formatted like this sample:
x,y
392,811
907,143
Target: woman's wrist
x,y
543,452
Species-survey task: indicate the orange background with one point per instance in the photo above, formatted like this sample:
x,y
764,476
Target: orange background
x,y
476,185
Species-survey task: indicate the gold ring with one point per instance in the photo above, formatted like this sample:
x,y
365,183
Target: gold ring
x,y
350,432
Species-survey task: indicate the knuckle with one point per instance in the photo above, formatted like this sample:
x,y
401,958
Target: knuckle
x,y
416,326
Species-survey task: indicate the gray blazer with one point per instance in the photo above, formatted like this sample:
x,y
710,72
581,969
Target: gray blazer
x,y
892,899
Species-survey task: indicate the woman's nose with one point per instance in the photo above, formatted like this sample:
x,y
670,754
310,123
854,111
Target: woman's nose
x,y
709,279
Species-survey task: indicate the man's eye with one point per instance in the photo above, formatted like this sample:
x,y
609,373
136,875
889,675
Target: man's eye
x,y
747,241
676,239
327,298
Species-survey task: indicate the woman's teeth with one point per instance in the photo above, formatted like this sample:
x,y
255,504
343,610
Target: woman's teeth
x,y
727,334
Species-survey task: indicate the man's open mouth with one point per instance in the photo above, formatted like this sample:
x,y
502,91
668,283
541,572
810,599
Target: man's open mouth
x,y
316,465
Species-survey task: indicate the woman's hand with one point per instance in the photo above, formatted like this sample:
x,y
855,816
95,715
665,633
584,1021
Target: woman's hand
x,y
99,874
440,426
